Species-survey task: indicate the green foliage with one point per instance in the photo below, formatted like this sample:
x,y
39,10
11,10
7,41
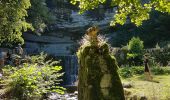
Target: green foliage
x,y
39,15
155,30
12,18
40,59
127,72
15,19
32,80
136,10
97,69
161,55
131,55
161,70
120,55
135,47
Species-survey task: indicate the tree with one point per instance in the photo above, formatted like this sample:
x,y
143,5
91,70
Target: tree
x,y
135,47
12,18
39,15
135,10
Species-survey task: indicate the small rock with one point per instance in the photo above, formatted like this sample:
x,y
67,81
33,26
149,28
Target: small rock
x,y
73,98
0,75
54,96
72,95
127,85
134,97
71,88
127,92
76,92
143,97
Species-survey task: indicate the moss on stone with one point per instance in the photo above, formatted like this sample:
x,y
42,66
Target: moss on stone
x,y
98,76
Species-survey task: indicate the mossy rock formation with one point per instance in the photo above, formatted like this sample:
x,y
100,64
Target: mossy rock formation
x,y
98,76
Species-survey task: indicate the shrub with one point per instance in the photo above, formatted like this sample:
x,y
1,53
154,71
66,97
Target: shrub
x,y
127,72
120,55
135,48
137,70
135,45
161,70
32,80
160,55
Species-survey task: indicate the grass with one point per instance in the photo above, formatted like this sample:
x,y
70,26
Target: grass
x,y
158,89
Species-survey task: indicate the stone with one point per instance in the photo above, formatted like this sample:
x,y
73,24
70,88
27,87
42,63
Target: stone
x,y
127,85
71,88
134,97
76,92
127,92
65,32
98,76
143,97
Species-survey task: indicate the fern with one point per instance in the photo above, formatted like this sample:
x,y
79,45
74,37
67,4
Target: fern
x,y
31,79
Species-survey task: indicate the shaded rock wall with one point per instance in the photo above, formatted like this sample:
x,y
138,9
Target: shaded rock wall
x,y
67,29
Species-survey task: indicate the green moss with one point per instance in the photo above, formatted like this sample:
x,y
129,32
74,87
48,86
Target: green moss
x,y
95,64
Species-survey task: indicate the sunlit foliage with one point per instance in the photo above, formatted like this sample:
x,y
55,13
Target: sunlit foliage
x,y
12,20
39,15
136,10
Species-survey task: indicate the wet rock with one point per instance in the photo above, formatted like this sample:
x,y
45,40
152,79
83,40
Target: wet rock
x,y
72,95
67,96
76,92
71,88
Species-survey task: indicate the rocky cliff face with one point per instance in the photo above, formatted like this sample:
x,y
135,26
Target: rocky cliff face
x,y
69,26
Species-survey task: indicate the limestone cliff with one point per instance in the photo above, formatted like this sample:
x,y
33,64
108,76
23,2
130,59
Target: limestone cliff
x,y
69,26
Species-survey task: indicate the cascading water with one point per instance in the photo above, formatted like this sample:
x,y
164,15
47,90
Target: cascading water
x,y
70,69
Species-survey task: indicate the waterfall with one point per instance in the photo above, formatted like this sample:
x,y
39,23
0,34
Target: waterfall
x,y
70,69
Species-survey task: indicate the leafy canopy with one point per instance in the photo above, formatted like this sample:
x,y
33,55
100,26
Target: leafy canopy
x,y
39,15
12,20
135,45
136,10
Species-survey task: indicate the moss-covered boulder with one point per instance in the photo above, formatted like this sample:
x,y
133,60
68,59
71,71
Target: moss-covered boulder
x,y
98,76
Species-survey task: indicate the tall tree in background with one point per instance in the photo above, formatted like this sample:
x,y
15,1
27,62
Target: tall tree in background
x,y
135,10
12,20
39,15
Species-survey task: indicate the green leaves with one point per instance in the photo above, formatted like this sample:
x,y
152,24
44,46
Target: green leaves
x,y
162,5
12,18
39,15
135,45
87,4
33,79
134,10
135,51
